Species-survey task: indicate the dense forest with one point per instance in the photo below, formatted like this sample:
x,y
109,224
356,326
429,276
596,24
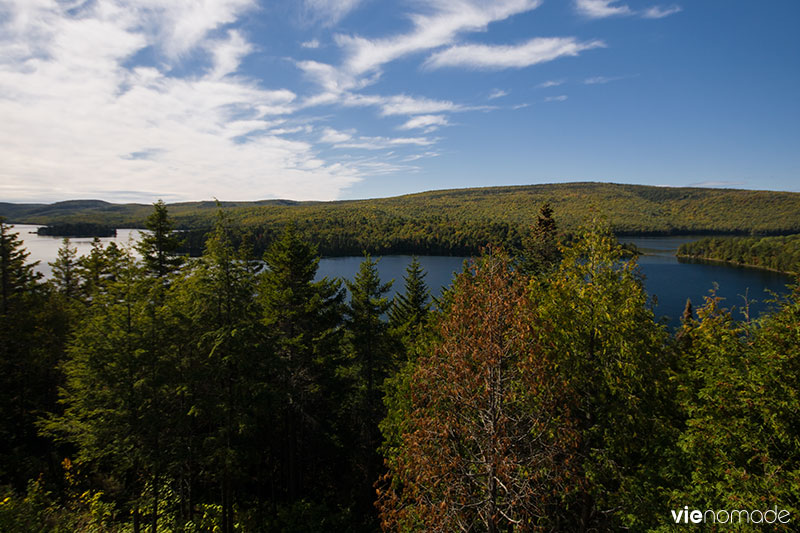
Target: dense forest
x,y
776,253
453,222
222,393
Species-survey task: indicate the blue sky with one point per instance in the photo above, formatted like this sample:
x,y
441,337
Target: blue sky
x,y
134,100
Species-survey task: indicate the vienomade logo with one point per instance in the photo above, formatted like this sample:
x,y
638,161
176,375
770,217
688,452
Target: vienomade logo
x,y
735,516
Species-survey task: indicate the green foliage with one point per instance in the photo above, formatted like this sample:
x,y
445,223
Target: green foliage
x,y
540,253
159,244
223,394
459,221
367,331
303,318
65,275
32,333
775,253
612,354
739,395
409,310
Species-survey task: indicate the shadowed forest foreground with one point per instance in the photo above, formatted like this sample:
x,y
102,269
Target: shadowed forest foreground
x,y
224,394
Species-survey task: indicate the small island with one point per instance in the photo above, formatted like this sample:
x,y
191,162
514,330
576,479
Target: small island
x,y
77,229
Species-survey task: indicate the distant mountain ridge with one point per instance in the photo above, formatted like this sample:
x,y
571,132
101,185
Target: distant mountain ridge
x,y
460,220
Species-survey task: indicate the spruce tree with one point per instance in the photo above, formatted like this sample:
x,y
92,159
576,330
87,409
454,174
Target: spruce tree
x,y
367,331
28,378
303,318
540,252
66,271
224,370
17,275
159,245
411,308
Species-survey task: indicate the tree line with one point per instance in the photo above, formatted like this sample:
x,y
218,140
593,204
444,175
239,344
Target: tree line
x,y
223,393
454,222
780,253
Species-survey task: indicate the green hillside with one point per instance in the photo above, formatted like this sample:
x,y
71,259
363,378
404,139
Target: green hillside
x,y
461,220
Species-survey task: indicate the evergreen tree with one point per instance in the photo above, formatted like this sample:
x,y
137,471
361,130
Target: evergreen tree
x,y
94,268
372,352
224,372
17,276
739,394
28,357
66,271
612,355
118,398
158,247
367,331
540,252
410,309
303,318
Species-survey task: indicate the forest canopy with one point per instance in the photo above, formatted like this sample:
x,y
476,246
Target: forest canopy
x,y
230,394
454,222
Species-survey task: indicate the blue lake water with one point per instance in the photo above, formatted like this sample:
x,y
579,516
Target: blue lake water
x,y
671,281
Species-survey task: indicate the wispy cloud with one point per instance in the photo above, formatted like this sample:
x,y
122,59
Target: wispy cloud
x,y
329,12
550,83
497,93
613,8
427,123
444,22
600,80
660,12
404,104
559,98
312,44
496,57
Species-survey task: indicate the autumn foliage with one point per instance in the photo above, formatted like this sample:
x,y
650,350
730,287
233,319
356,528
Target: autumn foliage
x,y
489,443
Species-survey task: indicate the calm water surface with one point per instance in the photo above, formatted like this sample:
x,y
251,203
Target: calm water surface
x,y
670,281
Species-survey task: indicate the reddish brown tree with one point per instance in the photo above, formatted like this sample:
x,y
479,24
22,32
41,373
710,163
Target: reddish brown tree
x,y
487,442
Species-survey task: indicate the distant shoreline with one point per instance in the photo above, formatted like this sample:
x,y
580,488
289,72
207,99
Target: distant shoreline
x,y
736,263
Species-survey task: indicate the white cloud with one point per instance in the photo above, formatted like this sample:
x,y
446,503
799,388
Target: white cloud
x,y
601,8
79,121
428,123
446,20
329,12
409,105
612,8
228,54
312,44
497,93
658,12
559,98
332,136
179,25
550,83
495,57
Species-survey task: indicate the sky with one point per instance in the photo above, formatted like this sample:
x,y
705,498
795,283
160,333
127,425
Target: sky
x,y
136,100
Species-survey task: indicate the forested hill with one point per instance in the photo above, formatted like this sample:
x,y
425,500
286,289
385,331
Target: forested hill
x,y
460,220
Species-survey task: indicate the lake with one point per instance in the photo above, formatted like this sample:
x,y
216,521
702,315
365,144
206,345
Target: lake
x,y
671,281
